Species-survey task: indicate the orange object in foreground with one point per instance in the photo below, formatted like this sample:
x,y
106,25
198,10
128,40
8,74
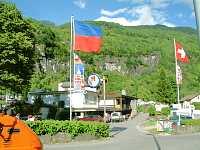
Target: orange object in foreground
x,y
16,135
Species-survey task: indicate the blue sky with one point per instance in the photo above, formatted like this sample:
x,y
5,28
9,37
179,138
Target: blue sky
x,y
125,12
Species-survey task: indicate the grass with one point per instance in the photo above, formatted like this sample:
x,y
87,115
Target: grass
x,y
191,122
150,123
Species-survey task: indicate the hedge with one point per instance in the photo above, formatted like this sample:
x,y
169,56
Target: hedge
x,y
74,128
191,122
151,110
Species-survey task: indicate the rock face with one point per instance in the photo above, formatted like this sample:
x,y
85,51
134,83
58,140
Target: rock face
x,y
124,65
112,66
148,64
135,66
50,65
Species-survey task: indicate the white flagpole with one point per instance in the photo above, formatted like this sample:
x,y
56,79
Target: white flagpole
x,y
74,71
70,70
104,97
73,33
177,84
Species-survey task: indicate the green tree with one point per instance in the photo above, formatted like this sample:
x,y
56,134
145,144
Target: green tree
x,y
166,89
46,40
16,49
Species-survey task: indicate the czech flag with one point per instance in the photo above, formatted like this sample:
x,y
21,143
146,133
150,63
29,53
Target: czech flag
x,y
87,37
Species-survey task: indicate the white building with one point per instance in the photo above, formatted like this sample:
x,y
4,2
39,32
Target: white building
x,y
191,98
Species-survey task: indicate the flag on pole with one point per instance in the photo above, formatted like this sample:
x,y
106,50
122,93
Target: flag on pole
x,y
87,37
180,53
178,75
78,73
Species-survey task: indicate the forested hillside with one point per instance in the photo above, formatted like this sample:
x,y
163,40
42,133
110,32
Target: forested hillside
x,y
145,55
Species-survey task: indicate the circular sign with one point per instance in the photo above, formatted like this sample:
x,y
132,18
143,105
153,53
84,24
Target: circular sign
x,y
94,80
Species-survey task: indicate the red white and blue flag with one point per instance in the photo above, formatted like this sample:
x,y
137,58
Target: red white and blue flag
x,y
87,37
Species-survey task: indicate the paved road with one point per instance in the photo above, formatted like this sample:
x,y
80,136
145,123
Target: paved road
x,y
126,136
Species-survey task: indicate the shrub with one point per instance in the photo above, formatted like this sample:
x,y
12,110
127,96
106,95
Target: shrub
x,y
191,122
165,111
196,105
140,108
74,128
151,110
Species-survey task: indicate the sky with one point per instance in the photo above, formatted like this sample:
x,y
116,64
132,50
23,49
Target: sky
x,y
125,12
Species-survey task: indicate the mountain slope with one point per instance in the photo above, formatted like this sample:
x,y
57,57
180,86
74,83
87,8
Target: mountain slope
x,y
133,49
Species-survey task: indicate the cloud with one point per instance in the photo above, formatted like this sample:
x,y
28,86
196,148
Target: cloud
x,y
145,16
153,2
180,15
160,3
168,24
133,1
80,3
140,15
113,13
121,20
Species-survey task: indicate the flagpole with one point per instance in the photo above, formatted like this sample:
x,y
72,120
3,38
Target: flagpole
x,y
178,88
70,70
104,97
73,37
74,72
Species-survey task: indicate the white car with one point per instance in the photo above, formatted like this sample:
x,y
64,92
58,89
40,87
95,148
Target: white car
x,y
116,116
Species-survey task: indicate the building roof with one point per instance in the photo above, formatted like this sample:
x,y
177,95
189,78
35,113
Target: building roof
x,y
189,97
47,92
114,95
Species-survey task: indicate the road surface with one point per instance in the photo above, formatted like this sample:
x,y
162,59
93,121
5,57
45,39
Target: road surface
x,y
127,136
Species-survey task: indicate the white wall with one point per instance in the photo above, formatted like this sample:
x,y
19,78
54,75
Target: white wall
x,y
108,102
196,99
77,99
160,106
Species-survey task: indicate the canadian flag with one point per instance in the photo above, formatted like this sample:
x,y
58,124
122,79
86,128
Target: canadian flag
x,y
180,53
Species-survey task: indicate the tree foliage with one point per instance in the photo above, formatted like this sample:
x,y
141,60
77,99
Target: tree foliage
x,y
130,44
45,39
165,91
16,49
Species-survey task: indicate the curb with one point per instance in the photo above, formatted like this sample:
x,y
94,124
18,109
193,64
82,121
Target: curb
x,y
138,127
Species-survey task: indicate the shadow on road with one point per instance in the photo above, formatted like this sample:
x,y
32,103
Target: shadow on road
x,y
156,141
117,130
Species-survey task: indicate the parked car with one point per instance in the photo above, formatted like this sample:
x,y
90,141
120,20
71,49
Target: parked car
x,y
92,118
116,117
